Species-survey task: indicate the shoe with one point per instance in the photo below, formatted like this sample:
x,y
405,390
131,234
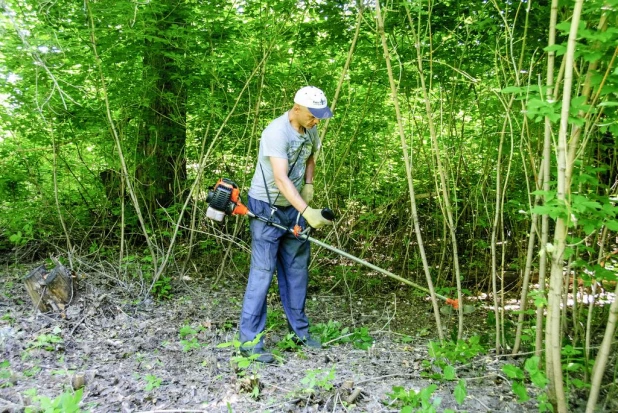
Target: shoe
x,y
265,357
308,342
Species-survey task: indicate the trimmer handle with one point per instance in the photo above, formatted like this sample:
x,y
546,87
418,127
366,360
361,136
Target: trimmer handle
x,y
328,214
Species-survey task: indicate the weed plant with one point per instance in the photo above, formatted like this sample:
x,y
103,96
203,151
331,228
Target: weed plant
x,y
67,402
533,374
188,337
318,378
445,356
332,332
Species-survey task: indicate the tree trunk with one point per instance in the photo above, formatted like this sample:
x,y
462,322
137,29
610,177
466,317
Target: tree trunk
x,y
161,163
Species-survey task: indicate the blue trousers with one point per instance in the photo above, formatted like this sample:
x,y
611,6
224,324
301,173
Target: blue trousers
x,y
275,248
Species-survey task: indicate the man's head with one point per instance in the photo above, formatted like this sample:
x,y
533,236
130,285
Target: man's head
x,y
314,100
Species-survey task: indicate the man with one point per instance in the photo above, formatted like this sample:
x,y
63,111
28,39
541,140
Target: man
x,y
282,188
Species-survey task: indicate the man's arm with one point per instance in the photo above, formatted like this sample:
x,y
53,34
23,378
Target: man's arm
x,y
285,184
309,170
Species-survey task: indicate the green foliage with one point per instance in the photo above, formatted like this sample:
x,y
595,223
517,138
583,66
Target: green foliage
x,y
20,238
589,212
412,401
445,356
67,402
537,378
162,288
141,266
240,361
5,374
575,367
319,378
332,332
32,371
47,342
288,343
189,337
275,319
152,382
460,391
361,339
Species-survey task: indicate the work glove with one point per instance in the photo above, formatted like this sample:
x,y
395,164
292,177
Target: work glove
x,y
307,193
314,218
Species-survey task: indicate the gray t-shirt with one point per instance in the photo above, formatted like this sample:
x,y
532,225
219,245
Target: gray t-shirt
x,y
281,140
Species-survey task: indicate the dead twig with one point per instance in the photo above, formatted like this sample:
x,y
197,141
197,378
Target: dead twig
x,y
385,377
77,324
354,395
172,411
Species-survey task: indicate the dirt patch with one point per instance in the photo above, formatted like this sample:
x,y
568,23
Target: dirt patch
x,y
134,356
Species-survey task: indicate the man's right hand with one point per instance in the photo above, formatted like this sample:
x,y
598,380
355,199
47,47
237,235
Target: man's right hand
x,y
314,218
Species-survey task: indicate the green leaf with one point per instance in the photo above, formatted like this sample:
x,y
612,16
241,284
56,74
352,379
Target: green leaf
x,y
532,364
460,391
520,391
539,379
513,89
187,330
513,372
612,225
558,48
449,372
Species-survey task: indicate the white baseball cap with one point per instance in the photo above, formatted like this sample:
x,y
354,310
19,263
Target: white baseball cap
x,y
315,100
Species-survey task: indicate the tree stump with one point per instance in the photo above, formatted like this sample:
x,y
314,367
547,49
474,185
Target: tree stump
x,y
50,290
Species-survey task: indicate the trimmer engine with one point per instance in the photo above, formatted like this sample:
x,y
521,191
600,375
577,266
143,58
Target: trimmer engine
x,y
224,199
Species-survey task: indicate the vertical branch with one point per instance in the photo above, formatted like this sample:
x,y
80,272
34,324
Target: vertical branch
x,y
494,234
444,189
408,165
545,176
604,352
56,198
553,342
122,223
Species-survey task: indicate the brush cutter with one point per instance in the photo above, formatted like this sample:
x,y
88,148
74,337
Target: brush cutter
x,y
224,199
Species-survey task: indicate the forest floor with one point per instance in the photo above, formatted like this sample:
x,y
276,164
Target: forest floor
x,y
172,356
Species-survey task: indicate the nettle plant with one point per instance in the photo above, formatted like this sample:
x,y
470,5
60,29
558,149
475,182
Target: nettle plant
x,y
445,356
67,402
332,332
189,337
49,342
241,362
320,379
422,400
536,376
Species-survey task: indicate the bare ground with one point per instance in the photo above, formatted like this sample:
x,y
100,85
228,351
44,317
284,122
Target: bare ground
x,y
132,358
